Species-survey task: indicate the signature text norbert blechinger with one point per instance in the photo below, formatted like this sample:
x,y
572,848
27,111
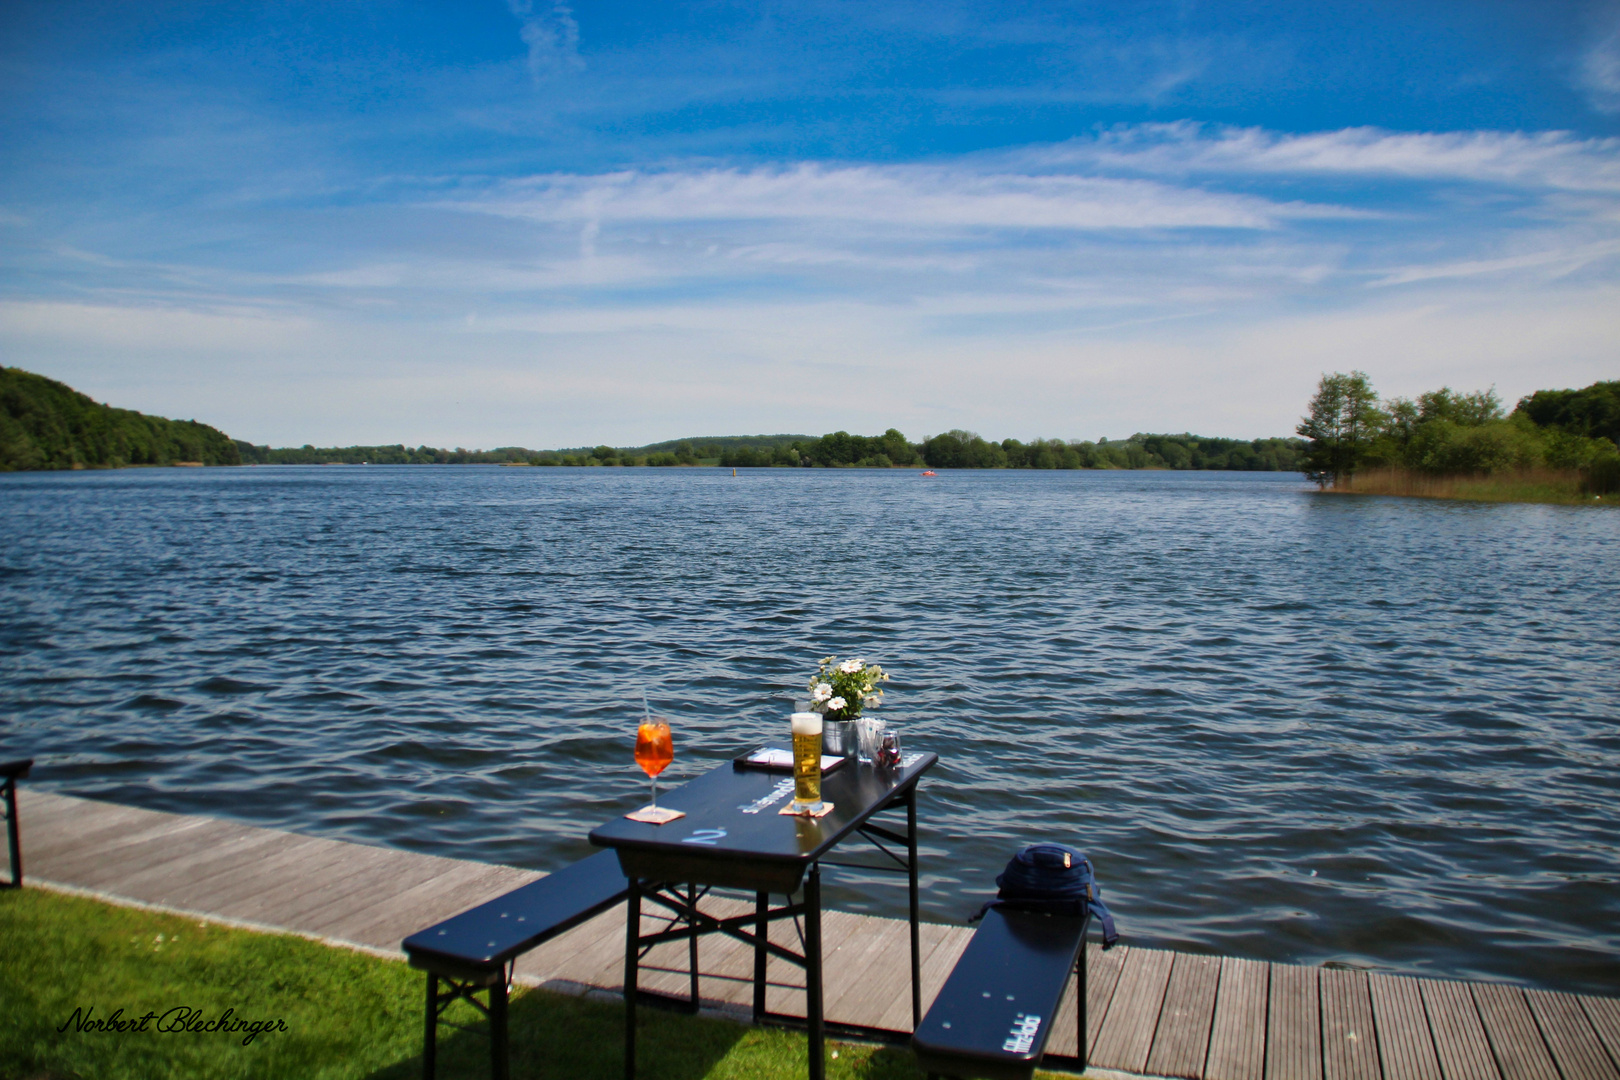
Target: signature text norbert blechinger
x,y
180,1019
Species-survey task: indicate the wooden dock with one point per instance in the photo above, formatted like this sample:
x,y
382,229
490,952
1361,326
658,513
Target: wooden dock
x,y
1150,1011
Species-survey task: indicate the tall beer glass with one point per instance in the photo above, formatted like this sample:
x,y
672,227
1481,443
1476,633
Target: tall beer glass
x,y
807,761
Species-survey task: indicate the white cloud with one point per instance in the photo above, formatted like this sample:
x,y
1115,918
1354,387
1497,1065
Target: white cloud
x,y
1552,159
1158,277
124,328
933,197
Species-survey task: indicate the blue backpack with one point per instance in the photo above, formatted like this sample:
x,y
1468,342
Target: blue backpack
x,y
1054,878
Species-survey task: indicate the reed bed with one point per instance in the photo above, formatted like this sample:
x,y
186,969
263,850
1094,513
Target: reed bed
x,y
1565,487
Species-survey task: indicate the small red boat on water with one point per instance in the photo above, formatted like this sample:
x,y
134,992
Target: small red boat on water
x,y
929,472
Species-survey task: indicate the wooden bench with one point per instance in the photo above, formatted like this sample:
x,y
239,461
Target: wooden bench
x,y
470,952
995,1013
13,771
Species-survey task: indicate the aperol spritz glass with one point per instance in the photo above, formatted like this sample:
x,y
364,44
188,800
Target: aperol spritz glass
x,y
655,749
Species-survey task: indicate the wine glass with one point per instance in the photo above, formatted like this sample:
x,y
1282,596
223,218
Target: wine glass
x,y
654,751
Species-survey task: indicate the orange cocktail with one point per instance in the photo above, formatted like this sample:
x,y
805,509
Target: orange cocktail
x,y
655,749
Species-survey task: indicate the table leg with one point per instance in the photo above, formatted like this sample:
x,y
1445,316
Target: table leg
x,y
812,971
916,945
762,906
632,961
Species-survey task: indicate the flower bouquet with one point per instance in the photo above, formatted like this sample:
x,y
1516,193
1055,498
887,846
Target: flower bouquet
x,y
841,689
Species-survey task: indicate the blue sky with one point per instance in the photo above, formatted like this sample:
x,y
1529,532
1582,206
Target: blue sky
x,y
517,222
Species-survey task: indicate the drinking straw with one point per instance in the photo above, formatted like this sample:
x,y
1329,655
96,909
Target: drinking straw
x,y
645,708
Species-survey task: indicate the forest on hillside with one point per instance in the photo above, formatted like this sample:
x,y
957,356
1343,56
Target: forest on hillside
x,y
45,424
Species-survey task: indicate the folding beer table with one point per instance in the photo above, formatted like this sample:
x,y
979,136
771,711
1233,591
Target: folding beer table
x,y
734,837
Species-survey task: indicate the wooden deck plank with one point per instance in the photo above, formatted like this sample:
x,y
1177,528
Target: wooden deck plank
x,y
1102,975
263,894
216,892
567,957
942,947
148,870
51,819
1293,1024
1520,1051
1182,1040
1127,1033
369,875
108,853
233,851
867,960
1405,1043
1349,1041
42,813
1459,1034
1237,1034
870,962
1604,1013
1576,1048
385,925
1194,1017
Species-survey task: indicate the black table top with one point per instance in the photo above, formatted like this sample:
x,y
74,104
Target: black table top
x,y
732,834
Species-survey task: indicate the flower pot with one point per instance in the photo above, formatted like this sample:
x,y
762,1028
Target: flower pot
x,y
838,738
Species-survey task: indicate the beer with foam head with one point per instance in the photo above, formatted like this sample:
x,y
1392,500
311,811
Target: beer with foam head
x,y
806,760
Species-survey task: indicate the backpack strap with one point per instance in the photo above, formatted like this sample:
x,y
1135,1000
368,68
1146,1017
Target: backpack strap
x,y
1104,916
1094,905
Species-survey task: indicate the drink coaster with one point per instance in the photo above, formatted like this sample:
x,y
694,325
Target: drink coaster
x,y
826,808
656,815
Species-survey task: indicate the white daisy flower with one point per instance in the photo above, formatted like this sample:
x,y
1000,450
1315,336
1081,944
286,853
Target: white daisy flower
x,y
837,704
822,692
850,667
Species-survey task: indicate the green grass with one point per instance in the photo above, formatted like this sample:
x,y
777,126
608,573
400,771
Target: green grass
x,y
347,1014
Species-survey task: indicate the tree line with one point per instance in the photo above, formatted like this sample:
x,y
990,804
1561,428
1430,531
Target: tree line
x,y
959,449
45,424
839,449
1349,430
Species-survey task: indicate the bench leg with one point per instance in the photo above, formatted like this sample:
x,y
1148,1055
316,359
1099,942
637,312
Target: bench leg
x,y
497,1030
11,833
1082,1036
632,960
430,1030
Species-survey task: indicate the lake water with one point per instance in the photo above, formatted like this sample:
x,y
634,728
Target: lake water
x,y
1372,732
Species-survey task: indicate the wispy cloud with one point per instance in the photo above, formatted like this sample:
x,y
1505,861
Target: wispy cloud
x,y
552,36
1599,73
1553,263
936,197
1553,159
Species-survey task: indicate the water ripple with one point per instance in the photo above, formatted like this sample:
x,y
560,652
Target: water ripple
x,y
1377,733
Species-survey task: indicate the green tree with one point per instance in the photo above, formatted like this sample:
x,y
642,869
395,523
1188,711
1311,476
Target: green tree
x,y
1343,420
